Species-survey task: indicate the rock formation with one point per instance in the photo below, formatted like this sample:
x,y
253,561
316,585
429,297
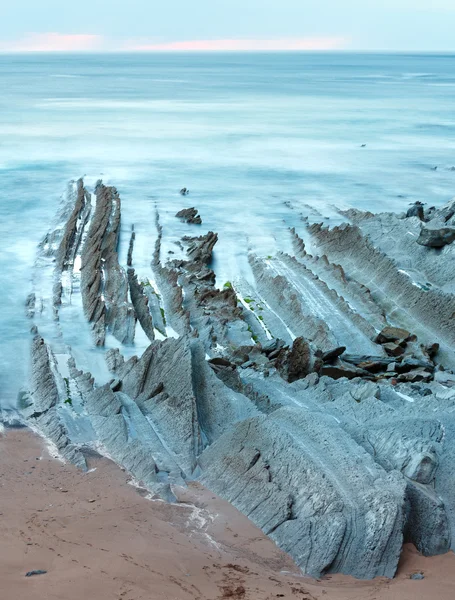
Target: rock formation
x,y
189,215
318,397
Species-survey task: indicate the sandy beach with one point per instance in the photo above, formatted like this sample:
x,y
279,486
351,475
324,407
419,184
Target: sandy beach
x,y
99,536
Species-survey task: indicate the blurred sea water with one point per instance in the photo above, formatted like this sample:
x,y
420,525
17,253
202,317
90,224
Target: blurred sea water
x,y
259,139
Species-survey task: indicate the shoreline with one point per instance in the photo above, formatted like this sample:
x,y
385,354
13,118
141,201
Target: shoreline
x,y
97,535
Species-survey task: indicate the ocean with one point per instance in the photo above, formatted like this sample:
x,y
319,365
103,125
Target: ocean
x,y
260,140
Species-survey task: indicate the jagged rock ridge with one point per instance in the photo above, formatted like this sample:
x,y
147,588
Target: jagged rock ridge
x,y
319,400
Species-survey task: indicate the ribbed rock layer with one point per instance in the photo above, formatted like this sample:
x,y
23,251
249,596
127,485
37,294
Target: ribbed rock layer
x,y
317,397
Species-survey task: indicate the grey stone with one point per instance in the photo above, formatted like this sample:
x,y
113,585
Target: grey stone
x,y
436,237
283,471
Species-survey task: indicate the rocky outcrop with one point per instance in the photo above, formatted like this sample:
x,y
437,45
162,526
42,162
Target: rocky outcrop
x,y
315,393
189,286
189,215
396,237
161,384
104,286
47,395
74,227
129,259
43,387
425,312
284,472
140,302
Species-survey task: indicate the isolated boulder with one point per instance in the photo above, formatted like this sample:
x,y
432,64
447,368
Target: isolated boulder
x,y
436,236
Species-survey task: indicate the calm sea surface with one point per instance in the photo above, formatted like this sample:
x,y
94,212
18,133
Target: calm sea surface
x,y
259,139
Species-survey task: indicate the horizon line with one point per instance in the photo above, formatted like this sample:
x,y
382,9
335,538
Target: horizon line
x,y
54,42
232,51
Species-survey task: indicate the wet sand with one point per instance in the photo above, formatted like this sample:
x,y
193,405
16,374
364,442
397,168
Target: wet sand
x,y
100,538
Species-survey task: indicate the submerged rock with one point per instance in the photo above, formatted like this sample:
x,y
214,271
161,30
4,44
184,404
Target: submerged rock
x,y
189,215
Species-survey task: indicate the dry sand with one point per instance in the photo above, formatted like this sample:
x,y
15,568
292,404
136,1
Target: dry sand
x,y
99,538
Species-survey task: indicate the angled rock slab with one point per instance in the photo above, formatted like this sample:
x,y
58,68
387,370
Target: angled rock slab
x,y
308,485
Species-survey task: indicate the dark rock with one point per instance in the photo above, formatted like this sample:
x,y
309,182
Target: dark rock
x,y
332,355
436,237
104,285
129,259
431,350
416,210
189,215
241,354
116,385
393,349
297,363
140,303
373,364
74,227
425,392
219,361
416,375
411,364
37,572
341,370
392,334
184,191
200,248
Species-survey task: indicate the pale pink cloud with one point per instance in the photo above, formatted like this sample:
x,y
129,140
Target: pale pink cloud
x,y
54,42
84,42
236,45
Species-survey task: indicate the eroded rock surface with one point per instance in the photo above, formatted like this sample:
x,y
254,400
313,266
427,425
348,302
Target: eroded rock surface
x,y
318,396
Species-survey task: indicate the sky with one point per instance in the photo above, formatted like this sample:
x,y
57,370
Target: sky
x,y
204,25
